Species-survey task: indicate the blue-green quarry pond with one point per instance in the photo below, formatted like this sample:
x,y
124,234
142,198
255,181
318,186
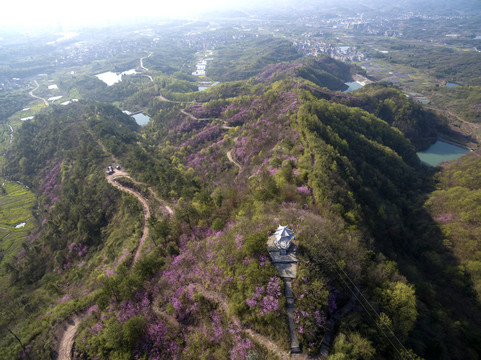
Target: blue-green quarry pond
x,y
441,151
141,119
353,85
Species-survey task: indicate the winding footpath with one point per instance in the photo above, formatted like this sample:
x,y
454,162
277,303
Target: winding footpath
x,y
145,207
11,134
162,98
231,159
66,342
193,117
37,97
224,126
261,339
111,179
67,339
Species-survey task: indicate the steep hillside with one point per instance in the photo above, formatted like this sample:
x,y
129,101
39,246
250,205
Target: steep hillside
x,y
85,223
455,207
340,169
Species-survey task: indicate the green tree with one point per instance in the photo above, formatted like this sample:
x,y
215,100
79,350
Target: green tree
x,y
352,346
400,304
133,330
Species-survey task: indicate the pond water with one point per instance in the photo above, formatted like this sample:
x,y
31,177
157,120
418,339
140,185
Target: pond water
x,y
111,78
141,119
353,85
203,87
441,151
451,85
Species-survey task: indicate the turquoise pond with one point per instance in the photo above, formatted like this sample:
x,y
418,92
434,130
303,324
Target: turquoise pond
x,y
353,85
141,119
441,151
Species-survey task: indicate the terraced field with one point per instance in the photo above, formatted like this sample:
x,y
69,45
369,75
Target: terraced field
x,y
16,217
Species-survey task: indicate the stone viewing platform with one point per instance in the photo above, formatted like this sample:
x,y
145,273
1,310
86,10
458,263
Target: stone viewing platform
x,y
283,252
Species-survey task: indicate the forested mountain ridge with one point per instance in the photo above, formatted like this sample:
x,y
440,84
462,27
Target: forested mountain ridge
x,y
340,169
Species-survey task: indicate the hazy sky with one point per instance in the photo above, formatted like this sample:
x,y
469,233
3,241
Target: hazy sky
x,y
53,12
24,13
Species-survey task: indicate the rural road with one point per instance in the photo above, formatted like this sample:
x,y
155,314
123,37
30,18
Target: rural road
x,y
144,68
35,96
142,62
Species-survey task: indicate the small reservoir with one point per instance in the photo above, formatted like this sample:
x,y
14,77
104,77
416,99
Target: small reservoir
x,y
206,85
141,119
111,78
451,85
353,85
441,151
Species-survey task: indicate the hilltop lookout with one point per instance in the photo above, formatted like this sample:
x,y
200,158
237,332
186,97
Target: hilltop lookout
x,y
283,238
283,252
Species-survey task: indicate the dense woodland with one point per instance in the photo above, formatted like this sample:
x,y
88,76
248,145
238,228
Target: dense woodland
x,y
375,227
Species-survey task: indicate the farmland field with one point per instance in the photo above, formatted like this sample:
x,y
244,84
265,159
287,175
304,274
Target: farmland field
x,y
16,203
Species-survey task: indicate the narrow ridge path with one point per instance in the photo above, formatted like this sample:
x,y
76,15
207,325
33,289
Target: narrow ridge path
x,y
111,179
263,340
193,117
231,159
67,339
66,344
161,97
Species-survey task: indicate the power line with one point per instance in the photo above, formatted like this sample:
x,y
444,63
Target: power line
x,y
367,301
367,311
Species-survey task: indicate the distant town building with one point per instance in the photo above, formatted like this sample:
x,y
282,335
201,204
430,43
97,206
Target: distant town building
x,y
283,238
